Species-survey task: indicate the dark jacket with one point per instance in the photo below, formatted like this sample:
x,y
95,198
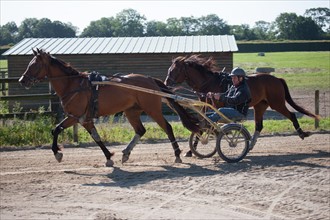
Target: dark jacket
x,y
238,98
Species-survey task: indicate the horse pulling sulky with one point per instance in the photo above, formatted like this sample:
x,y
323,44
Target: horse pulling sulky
x,y
266,90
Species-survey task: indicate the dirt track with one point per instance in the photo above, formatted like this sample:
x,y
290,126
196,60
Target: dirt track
x,y
282,178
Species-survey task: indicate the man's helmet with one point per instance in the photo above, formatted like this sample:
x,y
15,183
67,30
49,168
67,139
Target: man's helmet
x,y
237,72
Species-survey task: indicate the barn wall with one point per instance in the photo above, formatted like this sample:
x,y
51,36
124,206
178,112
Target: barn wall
x,y
155,65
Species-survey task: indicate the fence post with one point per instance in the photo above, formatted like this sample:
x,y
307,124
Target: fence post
x,y
3,85
75,133
317,107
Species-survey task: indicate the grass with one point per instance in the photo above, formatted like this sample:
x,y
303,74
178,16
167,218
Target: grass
x,y
301,70
3,64
38,132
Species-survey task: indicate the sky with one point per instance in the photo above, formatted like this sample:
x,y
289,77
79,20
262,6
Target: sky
x,y
81,13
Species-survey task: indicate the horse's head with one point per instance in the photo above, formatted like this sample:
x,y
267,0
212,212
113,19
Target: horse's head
x,y
198,72
37,69
177,72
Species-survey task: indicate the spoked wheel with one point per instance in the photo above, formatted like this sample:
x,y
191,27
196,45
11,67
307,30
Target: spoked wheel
x,y
203,144
233,143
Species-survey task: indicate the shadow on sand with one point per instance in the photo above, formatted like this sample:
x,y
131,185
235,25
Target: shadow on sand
x,y
123,177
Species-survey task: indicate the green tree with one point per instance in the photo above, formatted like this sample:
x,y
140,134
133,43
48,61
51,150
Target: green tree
x,y
212,25
321,16
105,27
262,30
131,23
174,27
32,27
189,25
156,28
242,32
293,27
8,33
27,28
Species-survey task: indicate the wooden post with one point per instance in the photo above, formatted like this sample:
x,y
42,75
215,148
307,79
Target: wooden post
x,y
317,107
3,84
75,133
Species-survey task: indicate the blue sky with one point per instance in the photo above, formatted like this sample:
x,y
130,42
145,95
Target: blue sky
x,y
81,13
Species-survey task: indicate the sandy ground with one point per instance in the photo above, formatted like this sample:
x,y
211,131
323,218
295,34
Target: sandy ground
x,y
282,178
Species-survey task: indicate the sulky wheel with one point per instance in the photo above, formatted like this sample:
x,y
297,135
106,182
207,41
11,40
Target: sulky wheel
x,y
233,142
203,144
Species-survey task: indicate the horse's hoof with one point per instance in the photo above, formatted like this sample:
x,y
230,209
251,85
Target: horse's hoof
x,y
188,154
251,145
178,160
59,156
124,158
303,134
109,163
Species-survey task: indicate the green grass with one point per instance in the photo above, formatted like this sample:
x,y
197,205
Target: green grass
x,y
285,126
301,70
38,132
3,64
284,60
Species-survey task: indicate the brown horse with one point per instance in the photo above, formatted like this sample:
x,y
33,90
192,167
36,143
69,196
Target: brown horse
x,y
77,97
266,90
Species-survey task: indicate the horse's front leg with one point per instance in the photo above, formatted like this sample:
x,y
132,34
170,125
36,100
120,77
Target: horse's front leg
x,y
89,126
67,122
259,111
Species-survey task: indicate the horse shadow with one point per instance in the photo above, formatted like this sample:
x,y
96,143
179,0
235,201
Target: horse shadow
x,y
125,178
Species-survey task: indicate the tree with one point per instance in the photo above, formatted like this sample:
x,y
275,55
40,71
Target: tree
x,y
174,27
32,27
212,25
105,27
27,28
293,27
47,28
131,23
242,32
189,25
262,30
321,16
156,28
8,33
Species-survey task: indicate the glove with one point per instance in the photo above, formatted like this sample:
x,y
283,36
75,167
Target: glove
x,y
216,96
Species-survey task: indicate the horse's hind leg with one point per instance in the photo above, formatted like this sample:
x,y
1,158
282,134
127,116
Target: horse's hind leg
x,y
281,108
133,116
89,126
67,122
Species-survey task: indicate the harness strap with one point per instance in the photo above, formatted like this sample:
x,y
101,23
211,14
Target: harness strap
x,y
94,103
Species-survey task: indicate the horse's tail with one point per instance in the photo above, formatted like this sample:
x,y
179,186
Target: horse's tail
x,y
289,99
188,120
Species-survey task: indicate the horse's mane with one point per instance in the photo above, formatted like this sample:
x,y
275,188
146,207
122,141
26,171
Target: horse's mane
x,y
64,66
208,64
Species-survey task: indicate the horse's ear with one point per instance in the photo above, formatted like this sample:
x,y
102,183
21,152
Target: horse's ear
x,y
38,50
34,52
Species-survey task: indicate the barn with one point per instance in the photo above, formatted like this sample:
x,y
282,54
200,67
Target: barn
x,y
150,56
